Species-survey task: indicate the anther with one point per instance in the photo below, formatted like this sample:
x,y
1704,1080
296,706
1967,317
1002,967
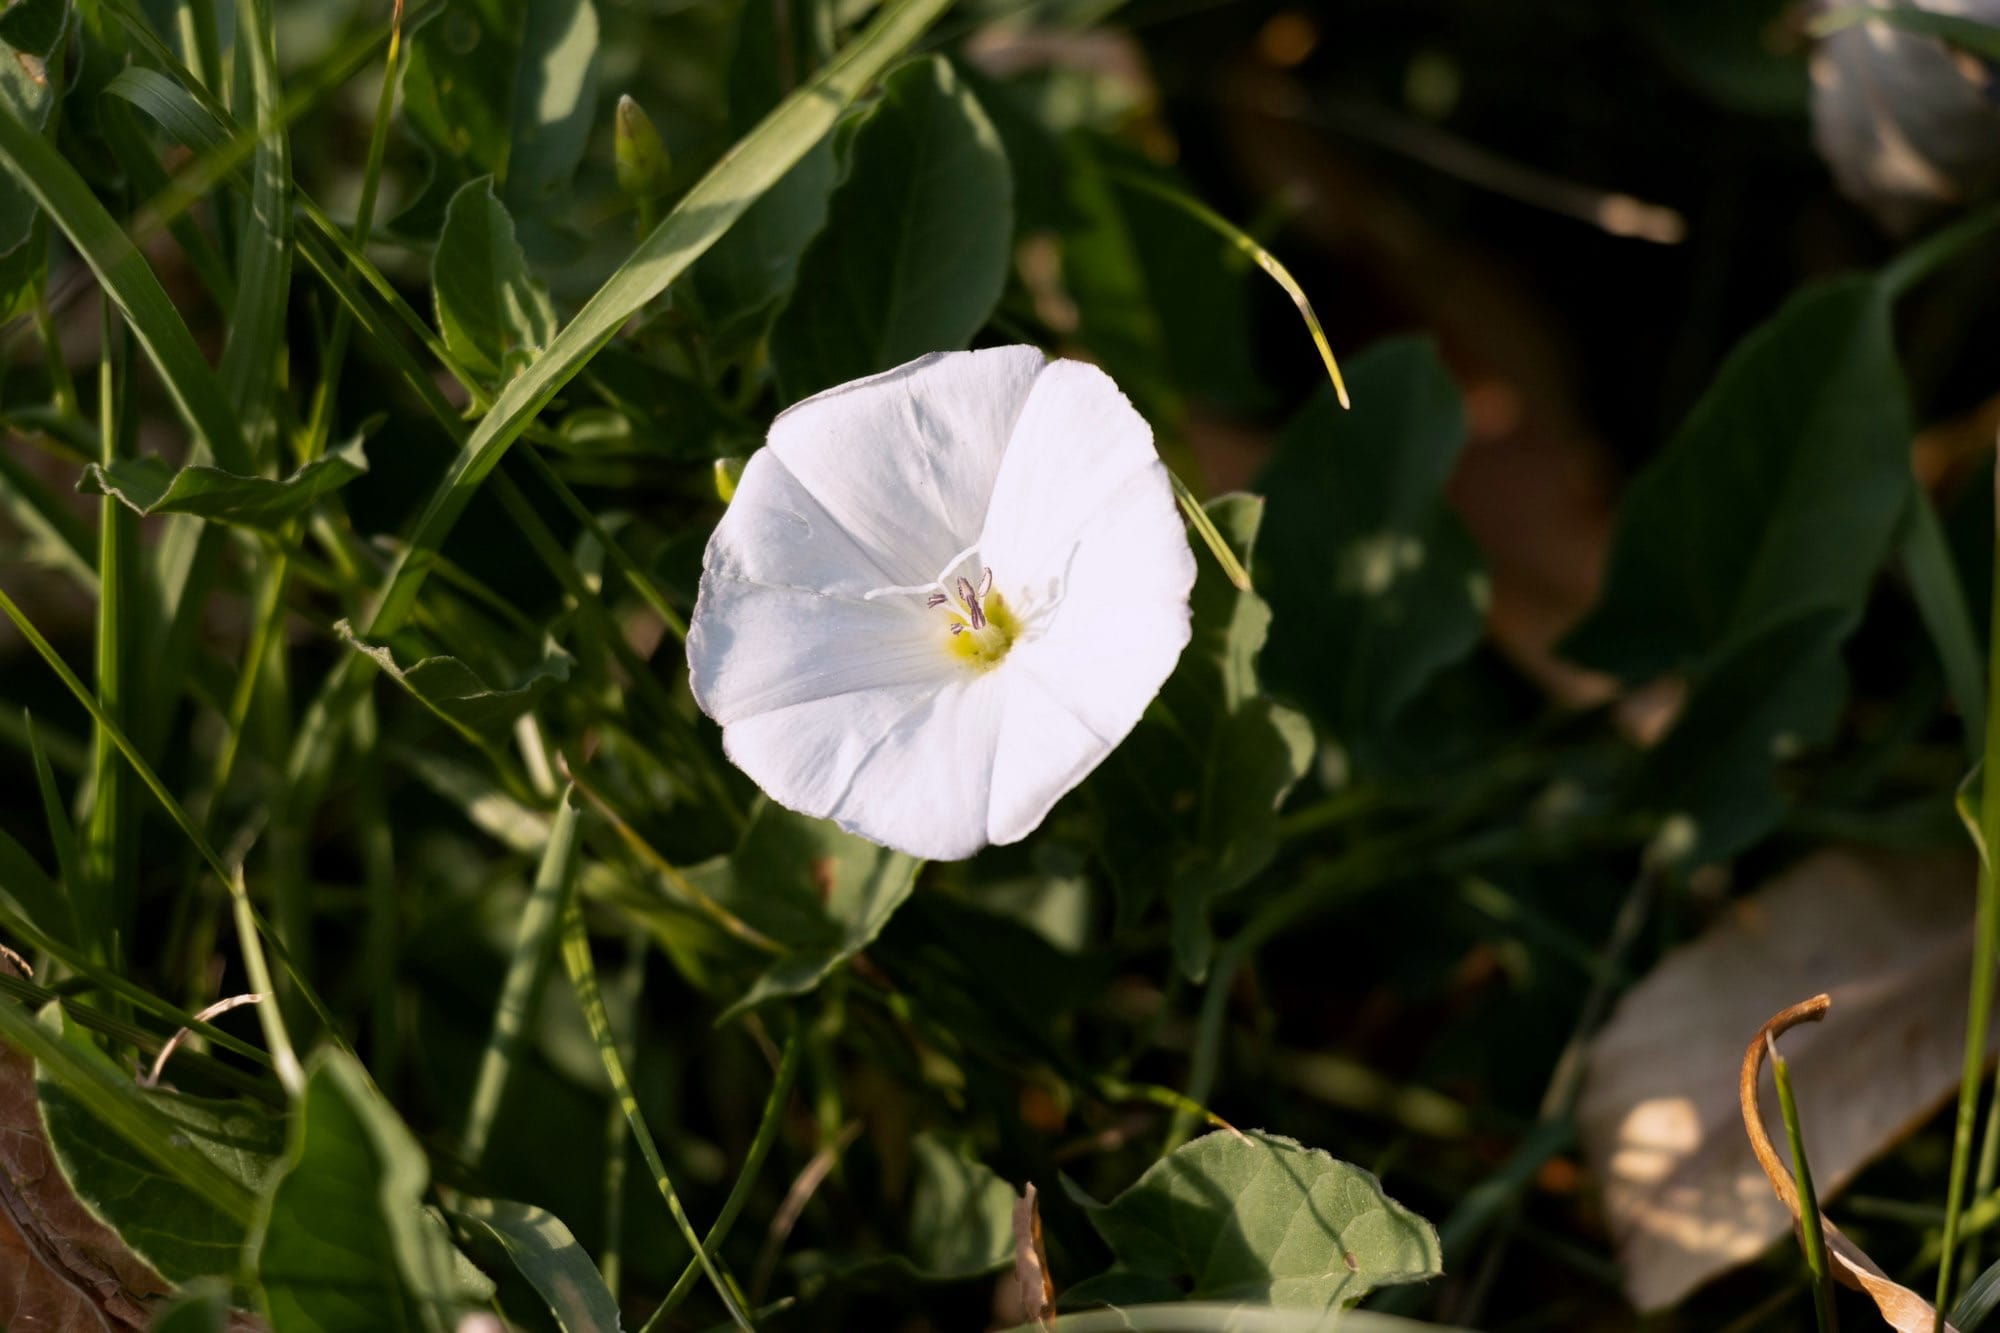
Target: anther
x,y
935,600
970,597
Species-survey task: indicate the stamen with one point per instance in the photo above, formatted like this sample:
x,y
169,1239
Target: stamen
x,y
934,601
967,595
986,583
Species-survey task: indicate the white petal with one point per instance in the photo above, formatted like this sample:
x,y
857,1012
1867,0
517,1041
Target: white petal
x,y
1045,749
904,461
1077,446
753,648
909,768
1105,632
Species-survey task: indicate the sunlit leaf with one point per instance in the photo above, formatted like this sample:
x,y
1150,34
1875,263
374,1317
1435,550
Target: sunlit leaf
x,y
342,1238
914,251
494,315
151,485
1260,1219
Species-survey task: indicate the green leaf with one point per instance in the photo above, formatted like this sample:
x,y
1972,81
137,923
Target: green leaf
x,y
740,281
820,894
151,485
109,1093
915,249
1761,703
458,91
1196,788
122,272
172,1227
342,1239
1780,493
494,316
1374,584
961,1214
555,91
1260,1219
453,691
549,1257
31,36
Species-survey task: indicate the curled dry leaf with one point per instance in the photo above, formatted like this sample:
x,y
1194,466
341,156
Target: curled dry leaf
x,y
60,1268
1035,1290
1904,1310
1890,938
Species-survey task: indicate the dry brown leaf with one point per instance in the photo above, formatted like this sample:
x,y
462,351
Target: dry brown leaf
x,y
1035,1289
60,1268
1905,1311
1890,938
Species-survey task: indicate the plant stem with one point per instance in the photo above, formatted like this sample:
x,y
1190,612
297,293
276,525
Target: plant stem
x,y
1985,948
526,971
583,977
1812,1231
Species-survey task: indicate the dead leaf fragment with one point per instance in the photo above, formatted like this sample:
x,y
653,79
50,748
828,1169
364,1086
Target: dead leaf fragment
x,y
60,1268
1905,1311
1890,938
1037,1292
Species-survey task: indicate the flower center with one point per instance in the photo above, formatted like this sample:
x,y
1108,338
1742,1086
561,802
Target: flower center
x,y
982,626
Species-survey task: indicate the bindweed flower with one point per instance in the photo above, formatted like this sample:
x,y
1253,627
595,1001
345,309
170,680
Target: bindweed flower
x,y
940,596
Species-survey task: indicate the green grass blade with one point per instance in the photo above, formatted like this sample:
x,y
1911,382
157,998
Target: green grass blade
x,y
263,266
1934,583
753,1162
123,273
527,969
1247,245
1812,1230
51,526
69,864
141,999
117,538
1985,953
1211,536
250,937
583,977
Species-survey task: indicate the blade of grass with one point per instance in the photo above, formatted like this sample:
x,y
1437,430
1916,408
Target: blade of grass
x,y
111,983
1247,245
256,340
123,273
1211,537
617,1134
1927,563
1985,952
1812,1232
319,423
249,936
96,896
62,836
49,523
583,977
753,1162
527,970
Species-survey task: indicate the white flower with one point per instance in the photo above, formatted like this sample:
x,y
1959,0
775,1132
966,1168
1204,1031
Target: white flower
x,y
940,596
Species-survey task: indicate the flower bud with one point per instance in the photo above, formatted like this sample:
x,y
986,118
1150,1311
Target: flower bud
x,y
642,159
